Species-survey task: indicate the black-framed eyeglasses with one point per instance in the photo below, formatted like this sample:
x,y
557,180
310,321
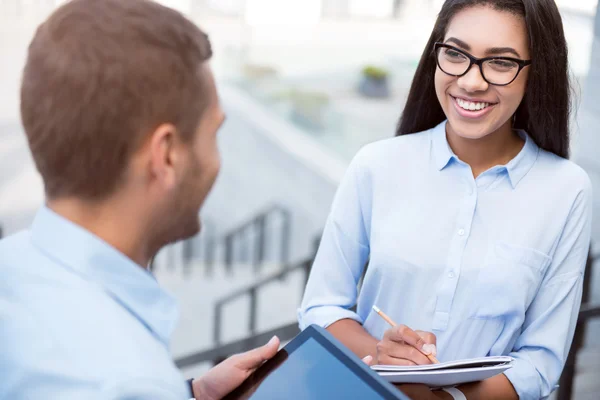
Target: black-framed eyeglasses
x,y
499,71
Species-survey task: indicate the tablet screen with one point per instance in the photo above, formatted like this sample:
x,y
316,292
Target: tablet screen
x,y
312,368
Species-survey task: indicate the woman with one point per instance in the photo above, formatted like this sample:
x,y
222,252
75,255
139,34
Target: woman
x,y
474,224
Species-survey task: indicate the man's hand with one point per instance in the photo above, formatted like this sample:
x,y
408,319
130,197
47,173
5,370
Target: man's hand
x,y
223,378
403,346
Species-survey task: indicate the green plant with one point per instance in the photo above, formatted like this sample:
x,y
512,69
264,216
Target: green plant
x,y
253,71
308,108
374,72
303,99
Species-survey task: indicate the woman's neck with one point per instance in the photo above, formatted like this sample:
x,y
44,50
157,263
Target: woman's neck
x,y
497,148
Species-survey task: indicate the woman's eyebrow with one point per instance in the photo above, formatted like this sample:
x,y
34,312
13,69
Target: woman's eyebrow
x,y
491,51
501,50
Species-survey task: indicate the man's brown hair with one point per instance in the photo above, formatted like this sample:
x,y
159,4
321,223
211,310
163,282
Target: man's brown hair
x,y
100,74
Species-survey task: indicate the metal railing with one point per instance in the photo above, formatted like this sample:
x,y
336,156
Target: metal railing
x,y
267,234
200,248
218,354
252,292
254,339
257,229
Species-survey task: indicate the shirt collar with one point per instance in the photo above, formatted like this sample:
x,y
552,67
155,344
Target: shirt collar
x,y
516,168
442,153
519,166
96,261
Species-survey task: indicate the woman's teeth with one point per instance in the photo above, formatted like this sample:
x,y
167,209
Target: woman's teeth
x,y
471,106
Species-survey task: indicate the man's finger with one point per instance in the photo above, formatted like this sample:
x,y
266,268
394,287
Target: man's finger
x,y
368,360
254,358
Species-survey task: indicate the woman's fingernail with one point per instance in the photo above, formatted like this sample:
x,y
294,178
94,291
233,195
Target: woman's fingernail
x,y
272,341
429,349
367,360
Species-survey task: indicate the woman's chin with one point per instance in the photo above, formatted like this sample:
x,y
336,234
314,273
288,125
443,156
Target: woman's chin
x,y
470,129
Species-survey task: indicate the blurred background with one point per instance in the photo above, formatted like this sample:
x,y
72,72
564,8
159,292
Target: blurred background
x,y
305,84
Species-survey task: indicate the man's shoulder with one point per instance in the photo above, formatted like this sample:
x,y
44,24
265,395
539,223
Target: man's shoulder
x,y
67,332
46,308
20,259
74,318
20,262
76,343
14,246
28,275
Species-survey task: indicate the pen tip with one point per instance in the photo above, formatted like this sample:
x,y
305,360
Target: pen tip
x,y
376,309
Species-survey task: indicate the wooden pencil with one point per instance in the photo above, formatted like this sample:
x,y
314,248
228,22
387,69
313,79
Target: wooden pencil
x,y
392,323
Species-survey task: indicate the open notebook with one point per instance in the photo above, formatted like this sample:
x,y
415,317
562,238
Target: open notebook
x,y
449,373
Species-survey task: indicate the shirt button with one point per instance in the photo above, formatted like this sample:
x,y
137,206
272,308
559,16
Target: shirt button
x,y
451,275
461,232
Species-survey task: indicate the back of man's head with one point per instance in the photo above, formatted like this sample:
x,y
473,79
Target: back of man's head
x,y
101,75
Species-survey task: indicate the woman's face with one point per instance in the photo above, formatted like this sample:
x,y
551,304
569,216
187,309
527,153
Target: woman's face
x,y
474,107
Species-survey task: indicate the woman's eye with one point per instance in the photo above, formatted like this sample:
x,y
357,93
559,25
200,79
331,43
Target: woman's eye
x,y
454,54
503,64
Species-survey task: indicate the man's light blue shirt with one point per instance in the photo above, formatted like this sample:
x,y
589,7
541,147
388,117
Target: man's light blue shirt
x,y
492,266
79,320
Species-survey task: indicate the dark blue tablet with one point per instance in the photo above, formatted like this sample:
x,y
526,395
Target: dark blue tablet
x,y
315,366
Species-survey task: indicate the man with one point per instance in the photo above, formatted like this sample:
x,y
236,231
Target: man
x,y
121,114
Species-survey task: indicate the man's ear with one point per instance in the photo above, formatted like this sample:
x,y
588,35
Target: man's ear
x,y
164,155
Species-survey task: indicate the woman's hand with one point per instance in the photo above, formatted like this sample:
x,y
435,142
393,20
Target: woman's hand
x,y
403,346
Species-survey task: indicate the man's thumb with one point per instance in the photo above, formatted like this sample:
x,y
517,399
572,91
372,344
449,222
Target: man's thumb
x,y
254,358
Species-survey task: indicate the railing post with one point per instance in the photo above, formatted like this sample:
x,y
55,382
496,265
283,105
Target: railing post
x,y
241,253
209,258
285,239
217,323
188,255
316,244
253,305
307,266
228,253
259,244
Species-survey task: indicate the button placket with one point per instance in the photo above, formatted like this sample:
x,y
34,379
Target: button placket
x,y
458,244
